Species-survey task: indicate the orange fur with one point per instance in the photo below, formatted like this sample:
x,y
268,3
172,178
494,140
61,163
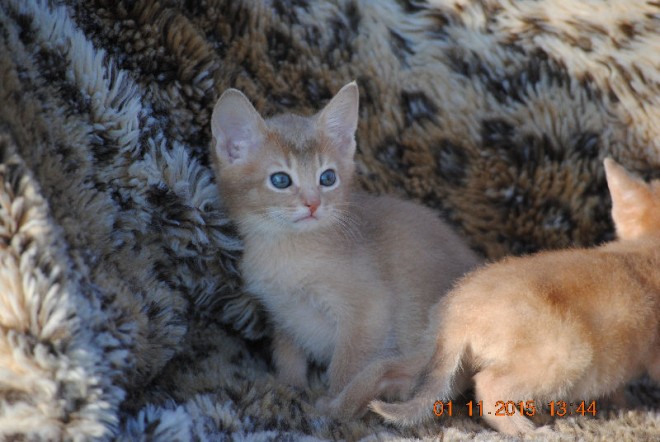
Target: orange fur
x,y
565,325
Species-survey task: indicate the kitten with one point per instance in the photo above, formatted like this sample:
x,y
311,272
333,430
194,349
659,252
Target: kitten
x,y
347,278
566,325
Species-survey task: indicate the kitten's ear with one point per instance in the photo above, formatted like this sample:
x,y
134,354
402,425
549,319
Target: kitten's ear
x,y
632,198
339,118
237,128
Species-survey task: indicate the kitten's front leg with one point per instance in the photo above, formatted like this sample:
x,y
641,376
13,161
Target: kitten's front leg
x,y
290,361
355,348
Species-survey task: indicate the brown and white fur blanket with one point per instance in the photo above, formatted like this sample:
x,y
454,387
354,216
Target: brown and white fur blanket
x,y
121,310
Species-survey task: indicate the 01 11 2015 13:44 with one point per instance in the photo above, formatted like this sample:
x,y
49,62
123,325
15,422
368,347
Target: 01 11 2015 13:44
x,y
509,408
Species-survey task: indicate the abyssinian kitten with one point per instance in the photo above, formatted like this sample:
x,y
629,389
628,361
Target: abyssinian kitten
x,y
347,278
565,325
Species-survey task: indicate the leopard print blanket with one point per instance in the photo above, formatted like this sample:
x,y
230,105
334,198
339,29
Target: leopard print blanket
x,y
121,310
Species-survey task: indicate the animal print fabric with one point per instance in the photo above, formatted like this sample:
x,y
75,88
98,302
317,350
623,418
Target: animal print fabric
x,y
121,310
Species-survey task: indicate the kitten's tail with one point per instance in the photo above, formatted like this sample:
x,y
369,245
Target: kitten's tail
x,y
438,385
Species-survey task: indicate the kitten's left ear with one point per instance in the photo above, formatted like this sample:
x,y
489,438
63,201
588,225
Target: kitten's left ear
x,y
339,118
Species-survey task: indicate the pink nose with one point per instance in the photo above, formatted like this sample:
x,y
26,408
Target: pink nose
x,y
313,205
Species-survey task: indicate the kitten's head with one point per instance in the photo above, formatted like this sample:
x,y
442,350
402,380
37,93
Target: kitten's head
x,y
635,204
287,173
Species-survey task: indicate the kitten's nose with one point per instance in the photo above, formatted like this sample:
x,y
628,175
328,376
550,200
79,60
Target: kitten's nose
x,y
312,206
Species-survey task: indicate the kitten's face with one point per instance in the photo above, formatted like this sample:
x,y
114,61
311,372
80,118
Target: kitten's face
x,y
287,187
288,173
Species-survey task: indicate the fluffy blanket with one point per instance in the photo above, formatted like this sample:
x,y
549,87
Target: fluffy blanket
x,y
121,310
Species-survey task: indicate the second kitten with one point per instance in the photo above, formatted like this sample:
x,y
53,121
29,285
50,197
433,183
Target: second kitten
x,y
569,325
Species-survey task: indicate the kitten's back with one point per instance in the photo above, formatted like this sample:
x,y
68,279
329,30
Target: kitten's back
x,y
409,239
562,312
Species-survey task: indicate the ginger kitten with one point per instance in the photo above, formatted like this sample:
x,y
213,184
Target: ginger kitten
x,y
567,325
347,278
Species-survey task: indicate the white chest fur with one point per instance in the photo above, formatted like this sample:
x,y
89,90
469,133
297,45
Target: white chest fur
x,y
293,286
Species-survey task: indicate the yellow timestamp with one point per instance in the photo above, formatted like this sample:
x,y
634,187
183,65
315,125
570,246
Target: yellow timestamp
x,y
509,408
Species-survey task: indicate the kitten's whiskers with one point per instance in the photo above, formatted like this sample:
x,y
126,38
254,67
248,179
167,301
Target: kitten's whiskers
x,y
346,223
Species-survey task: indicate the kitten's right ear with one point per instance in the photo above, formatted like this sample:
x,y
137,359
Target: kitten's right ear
x,y
631,199
339,118
237,128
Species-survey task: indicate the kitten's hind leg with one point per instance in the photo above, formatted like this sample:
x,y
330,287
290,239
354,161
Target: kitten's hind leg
x,y
494,387
439,384
390,377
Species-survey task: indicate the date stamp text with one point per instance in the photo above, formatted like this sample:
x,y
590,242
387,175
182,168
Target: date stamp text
x,y
509,408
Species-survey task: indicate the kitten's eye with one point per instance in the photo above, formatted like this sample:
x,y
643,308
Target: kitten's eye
x,y
328,178
280,180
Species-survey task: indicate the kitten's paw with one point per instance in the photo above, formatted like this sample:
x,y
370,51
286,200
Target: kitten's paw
x,y
322,404
325,405
298,383
332,407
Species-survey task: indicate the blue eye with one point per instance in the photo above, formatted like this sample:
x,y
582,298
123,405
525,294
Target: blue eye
x,y
280,180
328,178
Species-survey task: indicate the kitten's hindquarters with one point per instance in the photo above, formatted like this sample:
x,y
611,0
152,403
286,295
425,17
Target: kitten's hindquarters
x,y
571,325
575,326
568,325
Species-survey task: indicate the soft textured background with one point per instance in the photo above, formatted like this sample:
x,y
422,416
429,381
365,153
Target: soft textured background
x,y
121,313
